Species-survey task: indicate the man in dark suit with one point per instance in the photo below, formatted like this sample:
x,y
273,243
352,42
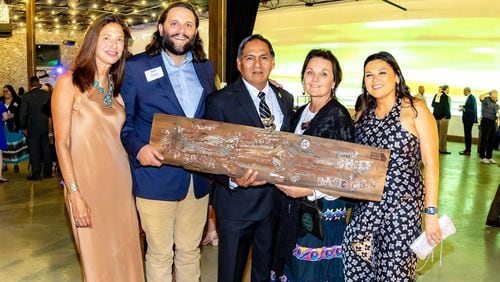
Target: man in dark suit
x,y
442,114
172,77
469,117
35,123
245,214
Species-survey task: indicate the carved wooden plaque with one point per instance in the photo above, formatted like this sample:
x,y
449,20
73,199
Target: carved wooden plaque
x,y
333,167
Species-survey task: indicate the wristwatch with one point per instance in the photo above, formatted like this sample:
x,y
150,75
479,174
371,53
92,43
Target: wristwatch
x,y
431,210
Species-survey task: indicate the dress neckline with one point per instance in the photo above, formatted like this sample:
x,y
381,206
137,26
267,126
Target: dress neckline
x,y
394,108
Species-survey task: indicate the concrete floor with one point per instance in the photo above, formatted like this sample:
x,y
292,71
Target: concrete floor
x,y
36,243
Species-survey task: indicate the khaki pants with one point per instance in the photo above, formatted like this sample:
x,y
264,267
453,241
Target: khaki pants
x,y
442,125
169,223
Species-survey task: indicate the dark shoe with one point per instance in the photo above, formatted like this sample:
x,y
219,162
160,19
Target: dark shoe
x,y
467,153
34,177
446,153
16,168
47,176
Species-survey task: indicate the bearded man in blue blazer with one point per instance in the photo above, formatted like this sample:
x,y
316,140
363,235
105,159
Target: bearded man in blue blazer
x,y
172,77
245,208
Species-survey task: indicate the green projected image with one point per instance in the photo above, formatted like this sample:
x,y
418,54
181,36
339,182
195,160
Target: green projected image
x,y
459,52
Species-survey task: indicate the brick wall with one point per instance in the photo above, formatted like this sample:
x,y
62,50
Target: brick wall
x,y
13,62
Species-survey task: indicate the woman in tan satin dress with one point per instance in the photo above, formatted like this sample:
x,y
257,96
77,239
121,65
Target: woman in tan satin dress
x,y
88,114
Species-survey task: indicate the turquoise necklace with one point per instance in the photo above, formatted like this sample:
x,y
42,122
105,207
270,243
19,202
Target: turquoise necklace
x,y
108,97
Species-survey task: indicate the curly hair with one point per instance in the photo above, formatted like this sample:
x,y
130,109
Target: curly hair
x,y
156,44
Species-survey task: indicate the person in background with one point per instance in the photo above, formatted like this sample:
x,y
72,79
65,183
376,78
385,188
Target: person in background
x,y
17,149
20,91
35,123
172,77
3,144
324,117
421,91
489,112
48,87
53,155
245,207
377,239
442,114
88,114
469,117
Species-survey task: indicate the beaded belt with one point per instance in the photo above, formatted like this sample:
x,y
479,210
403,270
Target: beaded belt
x,y
317,254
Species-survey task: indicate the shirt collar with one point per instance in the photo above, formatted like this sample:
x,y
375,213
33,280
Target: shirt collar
x,y
254,92
166,58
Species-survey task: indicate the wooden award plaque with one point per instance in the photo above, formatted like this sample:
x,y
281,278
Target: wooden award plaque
x,y
333,167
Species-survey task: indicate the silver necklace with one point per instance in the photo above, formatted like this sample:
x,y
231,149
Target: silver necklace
x,y
107,97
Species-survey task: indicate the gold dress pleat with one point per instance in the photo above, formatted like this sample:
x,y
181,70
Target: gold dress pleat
x,y
110,250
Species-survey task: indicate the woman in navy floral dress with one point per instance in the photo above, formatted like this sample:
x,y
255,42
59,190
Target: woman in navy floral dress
x,y
377,240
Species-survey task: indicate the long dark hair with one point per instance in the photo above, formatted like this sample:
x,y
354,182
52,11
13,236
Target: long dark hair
x,y
84,66
156,44
327,55
12,91
402,90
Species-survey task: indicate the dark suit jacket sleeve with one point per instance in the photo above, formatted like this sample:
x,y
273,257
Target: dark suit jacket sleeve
x,y
287,111
14,108
212,109
131,142
214,112
23,113
446,106
470,105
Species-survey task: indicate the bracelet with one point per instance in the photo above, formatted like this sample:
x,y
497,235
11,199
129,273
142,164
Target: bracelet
x,y
431,210
72,187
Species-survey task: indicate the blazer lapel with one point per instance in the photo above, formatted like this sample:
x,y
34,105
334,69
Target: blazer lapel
x,y
285,109
280,99
205,85
243,97
166,85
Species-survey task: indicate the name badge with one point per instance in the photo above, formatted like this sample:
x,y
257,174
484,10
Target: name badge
x,y
153,74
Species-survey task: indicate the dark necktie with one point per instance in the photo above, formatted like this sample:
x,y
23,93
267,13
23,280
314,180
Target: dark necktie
x,y
264,111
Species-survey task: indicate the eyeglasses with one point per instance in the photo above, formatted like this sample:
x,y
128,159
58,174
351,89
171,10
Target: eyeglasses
x,y
5,91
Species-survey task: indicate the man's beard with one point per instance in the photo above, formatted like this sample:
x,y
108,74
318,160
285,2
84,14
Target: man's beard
x,y
168,43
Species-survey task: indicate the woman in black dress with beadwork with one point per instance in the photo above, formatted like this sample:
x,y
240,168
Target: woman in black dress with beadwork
x,y
301,256
378,237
